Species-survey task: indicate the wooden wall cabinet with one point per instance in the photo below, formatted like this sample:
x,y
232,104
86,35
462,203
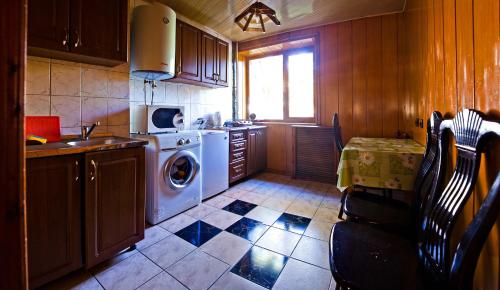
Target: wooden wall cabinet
x,y
188,52
201,58
114,202
222,62
247,153
91,31
53,195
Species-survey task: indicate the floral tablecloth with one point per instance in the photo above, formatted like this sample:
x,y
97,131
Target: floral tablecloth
x,y
380,162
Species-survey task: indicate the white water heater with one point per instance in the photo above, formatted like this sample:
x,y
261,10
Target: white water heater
x,y
153,42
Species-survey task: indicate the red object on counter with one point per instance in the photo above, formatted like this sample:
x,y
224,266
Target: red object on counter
x,y
48,127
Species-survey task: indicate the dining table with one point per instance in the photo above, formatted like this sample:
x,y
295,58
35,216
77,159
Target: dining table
x,y
387,163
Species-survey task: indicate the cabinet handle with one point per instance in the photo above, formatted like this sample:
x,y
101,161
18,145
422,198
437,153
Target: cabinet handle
x,y
77,170
78,41
65,41
93,172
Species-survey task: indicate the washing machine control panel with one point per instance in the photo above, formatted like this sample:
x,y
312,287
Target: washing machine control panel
x,y
188,139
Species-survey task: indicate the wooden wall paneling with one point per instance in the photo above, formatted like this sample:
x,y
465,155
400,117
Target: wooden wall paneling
x,y
276,148
390,76
450,58
345,79
456,65
328,76
486,98
359,77
439,98
465,53
422,96
431,64
329,98
373,77
403,108
13,258
486,55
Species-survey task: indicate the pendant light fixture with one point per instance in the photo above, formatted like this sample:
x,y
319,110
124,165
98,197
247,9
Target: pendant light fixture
x,y
255,16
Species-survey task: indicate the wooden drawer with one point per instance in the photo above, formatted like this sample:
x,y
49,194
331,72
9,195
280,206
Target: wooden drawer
x,y
237,155
237,170
238,135
238,146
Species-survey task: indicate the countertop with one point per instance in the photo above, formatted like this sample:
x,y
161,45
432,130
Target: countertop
x,y
75,146
241,128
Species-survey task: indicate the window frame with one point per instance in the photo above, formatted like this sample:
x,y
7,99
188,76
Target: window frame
x,y
286,54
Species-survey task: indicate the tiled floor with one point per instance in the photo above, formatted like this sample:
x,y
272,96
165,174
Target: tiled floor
x,y
267,232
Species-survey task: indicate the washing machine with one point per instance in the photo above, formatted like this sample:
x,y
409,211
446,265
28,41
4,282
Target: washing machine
x,y
173,174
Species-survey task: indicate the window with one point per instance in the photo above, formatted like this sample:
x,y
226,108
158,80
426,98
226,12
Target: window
x,y
281,86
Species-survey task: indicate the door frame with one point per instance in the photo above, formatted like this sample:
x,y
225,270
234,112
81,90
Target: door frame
x,y
12,178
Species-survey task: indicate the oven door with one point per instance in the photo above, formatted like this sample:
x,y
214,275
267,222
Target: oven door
x,y
165,119
180,170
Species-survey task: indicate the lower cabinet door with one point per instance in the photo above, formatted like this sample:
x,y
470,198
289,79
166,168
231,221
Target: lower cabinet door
x,y
114,202
251,152
261,150
53,196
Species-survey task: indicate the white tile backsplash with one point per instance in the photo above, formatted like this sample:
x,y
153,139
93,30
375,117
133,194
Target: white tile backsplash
x,y
79,93
83,93
197,101
65,79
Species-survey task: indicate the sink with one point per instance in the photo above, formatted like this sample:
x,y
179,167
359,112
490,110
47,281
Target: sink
x,y
96,141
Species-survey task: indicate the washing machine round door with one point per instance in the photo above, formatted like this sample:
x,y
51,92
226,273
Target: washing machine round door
x,y
181,169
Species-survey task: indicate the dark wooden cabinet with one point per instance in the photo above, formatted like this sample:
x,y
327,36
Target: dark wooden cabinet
x,y
53,195
261,149
222,62
201,58
257,151
98,28
252,152
237,155
247,152
92,31
49,24
209,58
114,202
188,52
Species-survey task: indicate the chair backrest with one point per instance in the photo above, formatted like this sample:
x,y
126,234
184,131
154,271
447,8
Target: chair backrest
x,y
428,169
443,207
336,133
469,248
422,183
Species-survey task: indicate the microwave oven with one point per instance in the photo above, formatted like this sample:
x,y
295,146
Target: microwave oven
x,y
154,119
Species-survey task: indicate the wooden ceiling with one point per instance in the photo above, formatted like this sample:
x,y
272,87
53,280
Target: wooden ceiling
x,y
293,14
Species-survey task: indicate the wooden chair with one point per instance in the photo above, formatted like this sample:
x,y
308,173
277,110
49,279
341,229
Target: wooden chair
x,y
365,257
390,213
336,134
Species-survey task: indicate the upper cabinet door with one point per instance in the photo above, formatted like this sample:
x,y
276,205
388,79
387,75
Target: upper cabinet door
x,y
209,58
222,62
188,52
99,28
48,24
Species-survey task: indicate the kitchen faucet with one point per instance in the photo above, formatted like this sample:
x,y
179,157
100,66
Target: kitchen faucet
x,y
87,130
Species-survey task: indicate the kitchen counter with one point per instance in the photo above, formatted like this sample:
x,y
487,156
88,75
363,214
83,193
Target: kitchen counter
x,y
241,128
76,146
